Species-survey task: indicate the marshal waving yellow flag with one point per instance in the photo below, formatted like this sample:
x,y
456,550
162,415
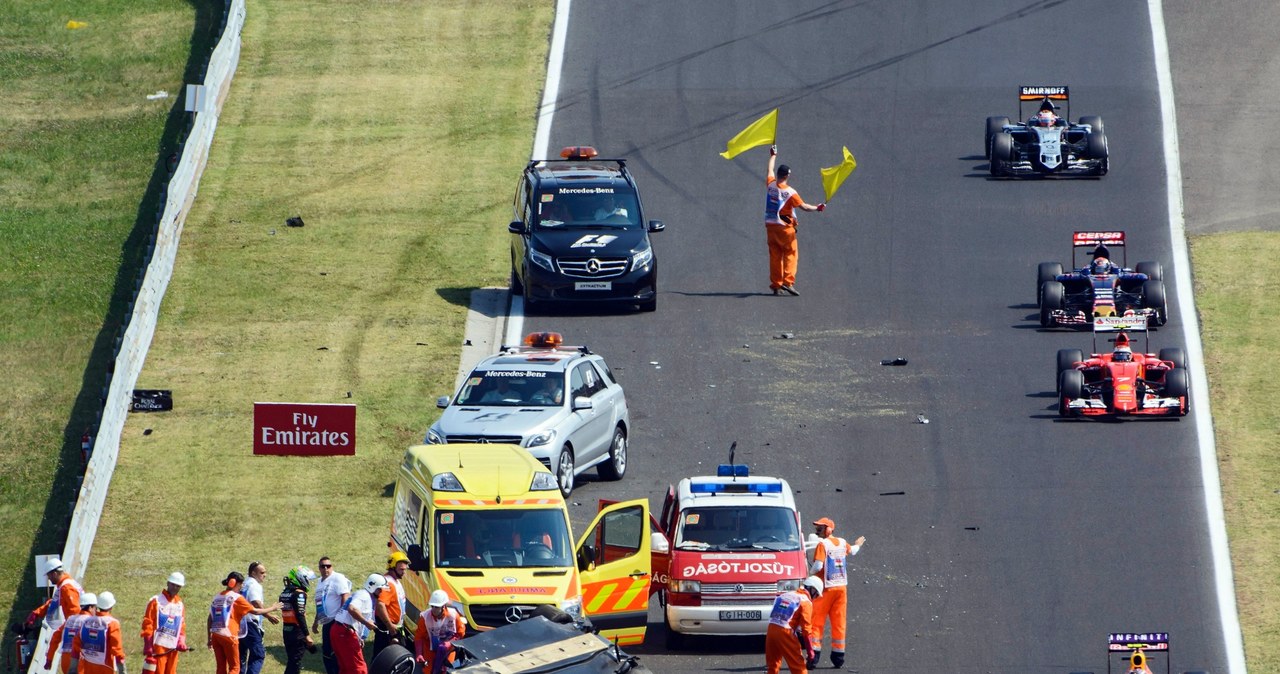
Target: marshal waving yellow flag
x,y
834,176
761,132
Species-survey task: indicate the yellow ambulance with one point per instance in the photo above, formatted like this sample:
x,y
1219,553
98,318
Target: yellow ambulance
x,y
487,523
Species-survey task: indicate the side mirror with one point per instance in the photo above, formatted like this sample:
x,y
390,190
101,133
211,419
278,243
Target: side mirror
x,y
656,226
586,557
583,403
417,560
658,543
516,227
442,402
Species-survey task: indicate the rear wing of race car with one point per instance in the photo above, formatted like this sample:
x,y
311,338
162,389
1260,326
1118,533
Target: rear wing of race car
x,y
1038,93
1121,324
1137,645
1092,240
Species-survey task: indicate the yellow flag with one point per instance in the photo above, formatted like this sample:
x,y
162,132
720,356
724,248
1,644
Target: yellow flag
x,y
832,177
761,132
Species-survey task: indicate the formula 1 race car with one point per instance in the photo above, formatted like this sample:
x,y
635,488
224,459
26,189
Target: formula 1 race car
x,y
1123,382
1133,652
1101,287
1046,144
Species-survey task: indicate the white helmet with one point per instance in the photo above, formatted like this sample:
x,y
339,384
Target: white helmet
x,y
438,598
88,599
177,578
52,564
375,582
813,583
106,600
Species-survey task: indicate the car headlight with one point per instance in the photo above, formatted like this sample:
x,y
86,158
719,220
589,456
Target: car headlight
x,y
684,586
540,439
572,606
789,585
541,259
641,258
434,436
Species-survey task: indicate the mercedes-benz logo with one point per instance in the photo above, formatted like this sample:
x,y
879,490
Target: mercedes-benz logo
x,y
593,266
514,614
738,588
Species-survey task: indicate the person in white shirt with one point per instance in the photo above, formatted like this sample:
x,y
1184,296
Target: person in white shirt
x,y
332,593
352,625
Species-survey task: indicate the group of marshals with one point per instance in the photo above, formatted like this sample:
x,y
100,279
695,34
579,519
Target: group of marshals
x,y
796,623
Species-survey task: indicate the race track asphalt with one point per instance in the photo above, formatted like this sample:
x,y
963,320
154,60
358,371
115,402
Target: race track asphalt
x,y
1000,538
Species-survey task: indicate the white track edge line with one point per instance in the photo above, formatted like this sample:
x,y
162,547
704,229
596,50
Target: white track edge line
x,y
1223,577
542,137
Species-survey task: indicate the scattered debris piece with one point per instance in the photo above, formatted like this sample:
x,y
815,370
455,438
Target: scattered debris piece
x,y
786,335
971,528
295,221
466,342
894,361
893,493
323,348
158,95
920,419
76,25
146,431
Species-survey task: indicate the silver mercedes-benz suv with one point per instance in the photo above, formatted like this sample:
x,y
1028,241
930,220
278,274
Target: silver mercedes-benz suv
x,y
560,402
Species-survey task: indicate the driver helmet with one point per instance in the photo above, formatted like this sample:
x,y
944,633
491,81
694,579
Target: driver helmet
x,y
1122,354
1100,265
1046,118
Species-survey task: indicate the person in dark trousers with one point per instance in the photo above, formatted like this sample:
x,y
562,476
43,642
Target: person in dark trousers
x,y
297,631
252,652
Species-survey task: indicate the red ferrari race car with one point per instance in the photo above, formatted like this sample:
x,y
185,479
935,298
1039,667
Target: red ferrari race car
x,y
1122,383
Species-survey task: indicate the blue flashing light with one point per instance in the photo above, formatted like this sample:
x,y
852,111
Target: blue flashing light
x,y
765,487
735,488
732,470
705,488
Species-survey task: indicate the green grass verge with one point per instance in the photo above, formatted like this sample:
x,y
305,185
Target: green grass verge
x,y
1236,292
79,141
396,131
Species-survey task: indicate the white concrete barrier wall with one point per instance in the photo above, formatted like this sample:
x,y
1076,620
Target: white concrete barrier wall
x,y
181,193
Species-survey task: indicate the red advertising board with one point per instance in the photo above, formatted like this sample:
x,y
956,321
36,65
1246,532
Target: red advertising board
x,y
304,429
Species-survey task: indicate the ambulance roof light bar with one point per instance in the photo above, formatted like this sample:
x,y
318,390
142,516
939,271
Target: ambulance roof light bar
x,y
735,488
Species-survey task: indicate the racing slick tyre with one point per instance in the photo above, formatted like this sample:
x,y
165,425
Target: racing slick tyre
x,y
1052,295
1070,386
615,466
1001,151
1067,359
1153,297
1095,122
564,468
393,659
994,125
1153,270
1175,386
1048,271
1174,355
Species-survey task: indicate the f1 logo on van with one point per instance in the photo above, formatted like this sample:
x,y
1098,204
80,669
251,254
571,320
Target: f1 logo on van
x,y
594,241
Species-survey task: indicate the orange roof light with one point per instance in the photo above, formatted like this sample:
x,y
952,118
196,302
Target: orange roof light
x,y
543,340
581,152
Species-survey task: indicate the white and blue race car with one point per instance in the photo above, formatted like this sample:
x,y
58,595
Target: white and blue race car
x,y
1046,143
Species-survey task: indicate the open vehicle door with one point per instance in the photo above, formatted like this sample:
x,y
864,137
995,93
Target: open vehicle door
x,y
615,568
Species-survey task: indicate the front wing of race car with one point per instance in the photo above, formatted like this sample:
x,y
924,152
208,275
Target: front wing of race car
x,y
1150,405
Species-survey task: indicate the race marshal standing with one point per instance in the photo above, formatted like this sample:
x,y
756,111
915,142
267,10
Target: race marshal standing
x,y
781,200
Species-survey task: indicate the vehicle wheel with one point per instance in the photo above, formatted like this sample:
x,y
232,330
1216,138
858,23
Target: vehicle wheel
x,y
530,305
1096,146
1174,355
1067,359
1153,297
1001,151
1052,295
674,640
616,466
1093,121
1048,271
651,305
1153,270
564,471
517,288
994,125
1102,168
1175,385
393,659
1070,386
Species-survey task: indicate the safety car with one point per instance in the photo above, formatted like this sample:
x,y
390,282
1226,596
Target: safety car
x,y
562,403
1124,382
1100,287
1046,144
578,233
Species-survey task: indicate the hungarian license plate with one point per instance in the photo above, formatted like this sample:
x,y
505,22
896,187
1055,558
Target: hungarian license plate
x,y
593,285
739,615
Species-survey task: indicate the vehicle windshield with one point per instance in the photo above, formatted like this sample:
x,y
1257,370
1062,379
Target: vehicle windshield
x,y
513,388
588,207
727,528
491,539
